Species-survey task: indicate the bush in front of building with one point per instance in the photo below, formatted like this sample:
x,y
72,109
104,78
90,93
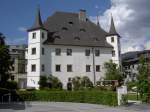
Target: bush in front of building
x,y
11,85
50,82
80,83
86,96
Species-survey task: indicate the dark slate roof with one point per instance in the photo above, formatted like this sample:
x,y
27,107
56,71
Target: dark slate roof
x,y
66,29
38,22
112,30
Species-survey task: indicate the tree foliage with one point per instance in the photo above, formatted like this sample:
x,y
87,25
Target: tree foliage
x,y
143,77
5,62
50,82
112,72
81,83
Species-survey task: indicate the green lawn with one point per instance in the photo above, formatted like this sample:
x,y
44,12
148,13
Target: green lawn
x,y
133,96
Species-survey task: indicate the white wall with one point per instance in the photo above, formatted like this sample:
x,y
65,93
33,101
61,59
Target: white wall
x,y
116,44
78,60
33,77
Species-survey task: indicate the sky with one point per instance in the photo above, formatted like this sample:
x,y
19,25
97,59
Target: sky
x,y
131,17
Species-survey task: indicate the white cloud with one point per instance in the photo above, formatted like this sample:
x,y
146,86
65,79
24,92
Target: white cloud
x,y
132,22
22,29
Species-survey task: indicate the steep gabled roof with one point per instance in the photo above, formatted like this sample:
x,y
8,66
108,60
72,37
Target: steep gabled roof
x,y
112,30
38,22
67,29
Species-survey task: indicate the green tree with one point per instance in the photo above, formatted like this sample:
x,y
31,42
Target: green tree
x,y
86,82
43,82
55,82
81,83
143,83
5,62
112,72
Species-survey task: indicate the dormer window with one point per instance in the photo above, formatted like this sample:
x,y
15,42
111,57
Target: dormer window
x,y
34,35
82,30
64,28
70,22
76,38
95,39
57,37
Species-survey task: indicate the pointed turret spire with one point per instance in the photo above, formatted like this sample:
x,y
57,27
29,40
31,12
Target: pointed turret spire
x,y
98,21
38,21
112,30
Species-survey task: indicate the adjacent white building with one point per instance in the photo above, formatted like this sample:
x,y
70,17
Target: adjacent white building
x,y
67,45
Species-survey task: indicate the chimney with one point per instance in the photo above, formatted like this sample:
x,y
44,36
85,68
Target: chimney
x,y
82,15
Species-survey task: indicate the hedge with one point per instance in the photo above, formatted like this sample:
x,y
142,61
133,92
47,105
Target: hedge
x,y
95,97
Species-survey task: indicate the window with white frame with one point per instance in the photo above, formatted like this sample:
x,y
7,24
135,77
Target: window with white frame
x,y
34,35
57,68
69,52
69,68
87,52
33,68
88,68
98,68
33,51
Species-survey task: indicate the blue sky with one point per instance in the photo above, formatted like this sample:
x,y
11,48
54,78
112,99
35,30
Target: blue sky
x,y
131,18
17,15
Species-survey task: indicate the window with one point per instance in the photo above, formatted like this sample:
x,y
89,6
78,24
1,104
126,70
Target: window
x,y
33,35
97,52
82,30
33,68
13,68
87,52
12,77
98,68
33,51
112,39
113,53
70,22
43,68
69,68
69,52
57,67
64,28
43,35
43,51
88,68
58,51
76,38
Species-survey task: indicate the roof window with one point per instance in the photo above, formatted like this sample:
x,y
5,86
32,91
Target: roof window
x,y
95,39
76,38
82,30
70,22
64,28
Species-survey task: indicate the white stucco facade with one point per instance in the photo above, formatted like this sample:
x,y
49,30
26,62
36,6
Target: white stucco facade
x,y
78,60
114,40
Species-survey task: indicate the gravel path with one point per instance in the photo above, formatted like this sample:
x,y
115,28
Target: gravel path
x,y
69,107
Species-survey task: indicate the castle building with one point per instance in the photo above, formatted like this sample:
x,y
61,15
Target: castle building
x,y
68,45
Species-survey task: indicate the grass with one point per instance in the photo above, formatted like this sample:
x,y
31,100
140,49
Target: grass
x,y
133,96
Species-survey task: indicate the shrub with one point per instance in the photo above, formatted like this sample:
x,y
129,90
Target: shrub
x,y
12,85
130,85
80,83
43,82
50,82
96,97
